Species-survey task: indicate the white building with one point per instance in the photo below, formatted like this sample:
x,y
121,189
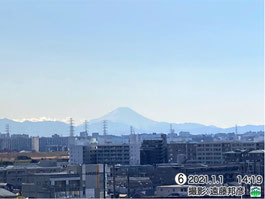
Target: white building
x,y
35,146
135,145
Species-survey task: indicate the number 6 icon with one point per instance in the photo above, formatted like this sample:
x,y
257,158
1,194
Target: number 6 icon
x,y
181,178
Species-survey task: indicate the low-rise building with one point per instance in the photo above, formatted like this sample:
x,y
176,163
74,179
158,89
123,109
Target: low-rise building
x,y
209,152
171,191
52,185
213,152
79,181
16,175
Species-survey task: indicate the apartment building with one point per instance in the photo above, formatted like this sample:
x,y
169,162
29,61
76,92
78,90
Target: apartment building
x,y
100,154
154,151
208,152
79,181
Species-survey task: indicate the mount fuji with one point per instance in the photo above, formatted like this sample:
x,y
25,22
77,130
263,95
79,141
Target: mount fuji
x,y
118,123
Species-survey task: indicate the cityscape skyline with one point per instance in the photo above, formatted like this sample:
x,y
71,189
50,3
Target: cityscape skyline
x,y
182,61
132,99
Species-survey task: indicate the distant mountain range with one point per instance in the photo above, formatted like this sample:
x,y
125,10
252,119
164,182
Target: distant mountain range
x,y
118,123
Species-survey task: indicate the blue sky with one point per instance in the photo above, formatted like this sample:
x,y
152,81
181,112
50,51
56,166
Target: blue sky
x,y
176,61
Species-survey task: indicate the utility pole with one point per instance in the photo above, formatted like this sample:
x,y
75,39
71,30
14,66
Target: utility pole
x,y
104,183
114,180
128,183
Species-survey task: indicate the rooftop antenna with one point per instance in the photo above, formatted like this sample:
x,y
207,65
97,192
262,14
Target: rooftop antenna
x,y
71,128
105,130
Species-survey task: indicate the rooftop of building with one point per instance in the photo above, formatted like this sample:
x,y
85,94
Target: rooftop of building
x,y
29,166
257,151
2,184
58,174
238,151
6,194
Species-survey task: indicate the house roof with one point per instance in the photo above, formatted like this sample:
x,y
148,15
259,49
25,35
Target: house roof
x,y
6,194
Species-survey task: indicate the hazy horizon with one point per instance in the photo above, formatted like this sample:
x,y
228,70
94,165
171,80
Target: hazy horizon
x,y
81,122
